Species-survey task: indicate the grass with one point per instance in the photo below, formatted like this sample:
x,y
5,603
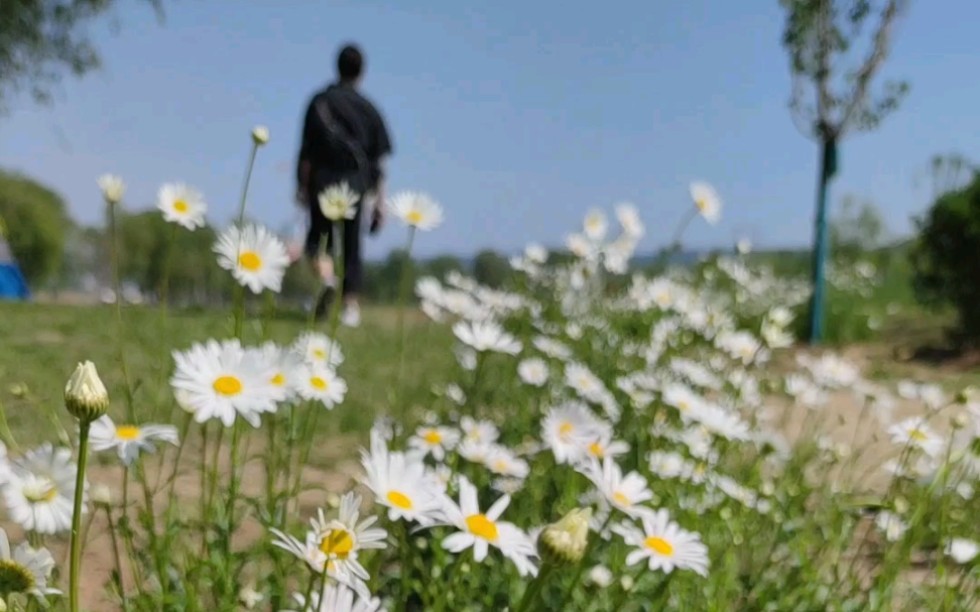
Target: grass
x,y
43,342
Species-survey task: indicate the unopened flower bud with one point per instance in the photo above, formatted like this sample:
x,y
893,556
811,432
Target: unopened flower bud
x,y
112,188
101,495
260,135
565,540
600,576
85,396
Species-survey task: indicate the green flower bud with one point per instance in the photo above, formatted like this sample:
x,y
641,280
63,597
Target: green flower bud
x,y
85,396
565,541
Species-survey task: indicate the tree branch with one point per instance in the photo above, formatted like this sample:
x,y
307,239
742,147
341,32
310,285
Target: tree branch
x,y
879,51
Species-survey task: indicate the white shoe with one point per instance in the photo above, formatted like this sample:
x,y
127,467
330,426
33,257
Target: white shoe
x,y
351,316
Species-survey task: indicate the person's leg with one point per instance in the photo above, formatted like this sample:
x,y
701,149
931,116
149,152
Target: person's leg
x,y
353,270
318,247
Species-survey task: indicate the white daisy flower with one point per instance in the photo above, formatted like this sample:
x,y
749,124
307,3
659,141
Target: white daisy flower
x,y
478,431
533,371
400,483
486,336
664,545
891,525
317,348
334,544
455,393
604,446
586,384
466,357
26,570
623,493
568,430
222,380
479,530
336,598
254,255
503,462
719,421
434,440
287,367
536,253
416,210
552,348
601,576
681,397
962,550
319,383
129,440
40,490
913,431
707,202
629,218
112,188
595,225
338,202
182,205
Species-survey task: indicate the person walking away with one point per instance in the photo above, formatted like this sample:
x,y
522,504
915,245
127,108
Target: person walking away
x,y
344,140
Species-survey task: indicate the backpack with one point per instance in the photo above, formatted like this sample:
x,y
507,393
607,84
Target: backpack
x,y
341,146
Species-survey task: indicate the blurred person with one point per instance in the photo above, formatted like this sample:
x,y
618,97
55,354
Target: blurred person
x,y
344,140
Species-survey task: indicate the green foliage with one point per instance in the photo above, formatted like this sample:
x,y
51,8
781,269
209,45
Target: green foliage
x,y
491,269
858,228
946,256
40,39
36,224
831,92
149,246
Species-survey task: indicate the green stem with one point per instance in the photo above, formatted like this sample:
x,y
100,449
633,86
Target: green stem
x,y
532,590
402,299
76,517
165,272
577,577
115,558
248,179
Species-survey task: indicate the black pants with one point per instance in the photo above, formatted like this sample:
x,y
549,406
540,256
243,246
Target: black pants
x,y
321,238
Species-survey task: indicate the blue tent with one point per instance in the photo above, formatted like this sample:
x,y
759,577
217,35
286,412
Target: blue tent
x,y
12,284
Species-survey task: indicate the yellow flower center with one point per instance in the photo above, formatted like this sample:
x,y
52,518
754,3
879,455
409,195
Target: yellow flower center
x,y
565,429
41,491
227,385
480,525
683,406
413,217
278,380
318,383
250,260
181,206
918,435
432,436
621,499
399,500
337,543
15,578
500,465
320,354
127,432
701,203
596,450
659,546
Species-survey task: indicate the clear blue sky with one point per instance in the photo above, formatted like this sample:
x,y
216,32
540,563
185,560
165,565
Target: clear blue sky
x,y
516,116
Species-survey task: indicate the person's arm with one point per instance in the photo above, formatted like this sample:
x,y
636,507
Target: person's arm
x,y
304,165
382,149
380,201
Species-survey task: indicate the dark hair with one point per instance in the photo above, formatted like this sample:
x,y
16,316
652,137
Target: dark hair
x,y
350,62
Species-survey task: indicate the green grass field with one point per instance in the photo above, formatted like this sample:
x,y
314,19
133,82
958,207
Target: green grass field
x,y
41,344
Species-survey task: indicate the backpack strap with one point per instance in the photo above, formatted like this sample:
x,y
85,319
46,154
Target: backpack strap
x,y
337,134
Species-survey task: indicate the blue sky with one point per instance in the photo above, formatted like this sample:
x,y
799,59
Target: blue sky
x,y
517,117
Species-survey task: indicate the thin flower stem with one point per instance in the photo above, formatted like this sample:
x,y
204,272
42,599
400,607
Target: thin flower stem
x,y
76,517
577,577
402,301
309,590
532,590
165,275
120,331
118,578
5,433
